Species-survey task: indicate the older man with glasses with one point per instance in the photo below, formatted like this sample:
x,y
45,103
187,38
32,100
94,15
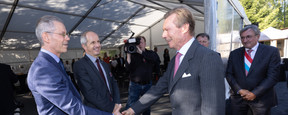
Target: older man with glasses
x,y
51,87
252,72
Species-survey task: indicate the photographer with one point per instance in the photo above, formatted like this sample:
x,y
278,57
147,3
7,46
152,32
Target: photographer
x,y
140,66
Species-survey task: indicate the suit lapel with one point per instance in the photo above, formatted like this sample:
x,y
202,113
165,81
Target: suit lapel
x,y
92,65
51,60
184,64
259,53
241,62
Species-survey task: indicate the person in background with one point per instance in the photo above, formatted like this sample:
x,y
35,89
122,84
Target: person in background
x,y
8,78
166,57
51,87
203,39
156,69
197,87
67,67
140,65
252,72
94,78
106,58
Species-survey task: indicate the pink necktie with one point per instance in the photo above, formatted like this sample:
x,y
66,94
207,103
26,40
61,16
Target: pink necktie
x,y
177,60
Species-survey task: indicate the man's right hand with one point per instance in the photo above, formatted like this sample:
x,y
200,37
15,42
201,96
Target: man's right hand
x,y
129,111
116,110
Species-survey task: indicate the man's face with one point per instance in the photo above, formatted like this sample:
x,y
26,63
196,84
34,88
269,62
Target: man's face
x,y
58,40
93,46
171,33
203,40
142,44
249,39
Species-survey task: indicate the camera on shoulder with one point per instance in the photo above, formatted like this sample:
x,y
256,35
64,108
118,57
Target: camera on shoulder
x,y
131,45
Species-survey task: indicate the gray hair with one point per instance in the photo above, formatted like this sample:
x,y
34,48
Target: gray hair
x,y
252,27
184,16
45,24
83,38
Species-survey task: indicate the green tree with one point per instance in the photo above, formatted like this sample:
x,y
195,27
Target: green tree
x,y
267,13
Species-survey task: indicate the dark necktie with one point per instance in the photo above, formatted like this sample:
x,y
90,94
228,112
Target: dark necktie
x,y
100,70
102,75
61,65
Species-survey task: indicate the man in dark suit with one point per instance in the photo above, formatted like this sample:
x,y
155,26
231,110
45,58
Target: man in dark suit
x,y
197,87
99,91
8,78
252,72
51,87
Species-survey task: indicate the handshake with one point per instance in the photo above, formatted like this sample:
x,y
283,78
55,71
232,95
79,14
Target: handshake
x,y
117,108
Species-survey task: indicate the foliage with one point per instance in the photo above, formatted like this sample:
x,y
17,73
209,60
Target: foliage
x,y
266,13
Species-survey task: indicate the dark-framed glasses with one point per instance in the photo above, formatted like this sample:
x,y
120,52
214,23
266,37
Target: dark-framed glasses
x,y
61,34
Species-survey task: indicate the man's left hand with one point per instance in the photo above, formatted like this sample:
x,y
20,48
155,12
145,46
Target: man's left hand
x,y
250,96
139,50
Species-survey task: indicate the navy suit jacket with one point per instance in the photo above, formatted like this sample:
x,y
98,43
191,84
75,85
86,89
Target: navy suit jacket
x,y
262,76
53,90
196,89
93,86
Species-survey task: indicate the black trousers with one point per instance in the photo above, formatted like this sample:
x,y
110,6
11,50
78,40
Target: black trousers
x,y
240,106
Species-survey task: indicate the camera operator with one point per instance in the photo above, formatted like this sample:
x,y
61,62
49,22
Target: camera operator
x,y
140,66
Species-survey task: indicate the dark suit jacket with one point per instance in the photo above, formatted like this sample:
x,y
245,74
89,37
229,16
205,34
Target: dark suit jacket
x,y
262,76
7,79
53,90
196,89
93,87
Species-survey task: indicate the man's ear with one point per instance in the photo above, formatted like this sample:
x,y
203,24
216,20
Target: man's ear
x,y
45,37
185,28
84,46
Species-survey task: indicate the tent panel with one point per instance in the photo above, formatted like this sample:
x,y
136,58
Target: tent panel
x,y
13,40
4,12
144,17
146,3
101,27
123,33
79,7
117,10
25,19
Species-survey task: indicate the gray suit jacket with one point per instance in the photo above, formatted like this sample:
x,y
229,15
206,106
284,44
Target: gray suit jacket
x,y
196,89
93,87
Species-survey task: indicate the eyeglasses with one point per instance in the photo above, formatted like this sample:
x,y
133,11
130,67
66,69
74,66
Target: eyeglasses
x,y
61,34
247,37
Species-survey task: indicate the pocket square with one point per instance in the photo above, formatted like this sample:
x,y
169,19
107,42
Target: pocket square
x,y
186,75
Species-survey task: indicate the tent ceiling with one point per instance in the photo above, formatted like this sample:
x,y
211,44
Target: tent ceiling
x,y
112,20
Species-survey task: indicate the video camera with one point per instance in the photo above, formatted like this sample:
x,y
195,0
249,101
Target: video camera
x,y
131,44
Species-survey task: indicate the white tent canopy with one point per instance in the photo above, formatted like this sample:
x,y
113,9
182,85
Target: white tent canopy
x,y
112,20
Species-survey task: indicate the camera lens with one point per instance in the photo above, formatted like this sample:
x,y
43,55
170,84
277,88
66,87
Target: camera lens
x,y
131,48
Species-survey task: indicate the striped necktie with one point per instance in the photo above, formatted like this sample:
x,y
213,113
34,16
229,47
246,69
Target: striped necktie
x,y
248,61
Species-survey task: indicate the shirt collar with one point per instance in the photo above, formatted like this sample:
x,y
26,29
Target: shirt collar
x,y
254,48
56,58
186,46
92,58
